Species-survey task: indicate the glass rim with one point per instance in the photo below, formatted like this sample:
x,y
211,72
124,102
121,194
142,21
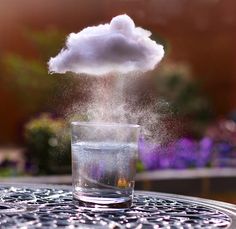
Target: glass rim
x,y
104,124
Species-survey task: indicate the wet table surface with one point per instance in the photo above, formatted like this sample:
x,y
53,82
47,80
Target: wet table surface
x,y
41,206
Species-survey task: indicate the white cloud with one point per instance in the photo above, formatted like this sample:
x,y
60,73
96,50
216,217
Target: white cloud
x,y
116,47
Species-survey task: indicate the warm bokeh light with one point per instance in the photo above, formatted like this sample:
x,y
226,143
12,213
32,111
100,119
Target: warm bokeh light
x,y
191,96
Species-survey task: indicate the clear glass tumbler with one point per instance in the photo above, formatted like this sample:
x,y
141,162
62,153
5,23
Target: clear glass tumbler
x,y
103,164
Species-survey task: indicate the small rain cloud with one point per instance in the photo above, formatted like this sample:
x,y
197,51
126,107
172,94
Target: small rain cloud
x,y
118,47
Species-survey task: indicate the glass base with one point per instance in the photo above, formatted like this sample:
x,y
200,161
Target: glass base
x,y
102,204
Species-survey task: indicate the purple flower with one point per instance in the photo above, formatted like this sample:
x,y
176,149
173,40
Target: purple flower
x,y
181,154
224,153
204,154
149,154
184,153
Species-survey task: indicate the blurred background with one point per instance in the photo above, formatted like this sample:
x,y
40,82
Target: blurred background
x,y
196,78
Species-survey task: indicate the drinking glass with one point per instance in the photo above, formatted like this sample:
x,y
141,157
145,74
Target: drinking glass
x,y
103,164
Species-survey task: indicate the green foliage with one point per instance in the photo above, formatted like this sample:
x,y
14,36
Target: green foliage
x,y
7,172
139,166
49,148
29,84
176,84
28,80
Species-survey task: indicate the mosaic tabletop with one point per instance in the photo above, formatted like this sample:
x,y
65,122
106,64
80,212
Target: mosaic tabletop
x,y
24,206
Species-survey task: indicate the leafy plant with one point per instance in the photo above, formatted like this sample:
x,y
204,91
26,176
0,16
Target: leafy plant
x,y
47,145
176,84
27,78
